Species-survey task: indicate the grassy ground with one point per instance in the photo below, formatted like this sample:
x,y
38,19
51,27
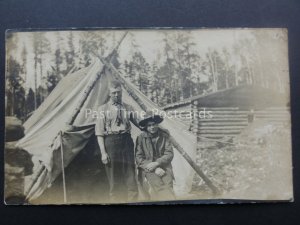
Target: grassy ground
x,y
254,165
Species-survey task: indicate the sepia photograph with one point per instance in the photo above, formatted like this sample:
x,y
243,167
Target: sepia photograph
x,y
147,116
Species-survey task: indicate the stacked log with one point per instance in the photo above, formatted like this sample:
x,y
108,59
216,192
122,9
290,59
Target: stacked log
x,y
18,162
195,118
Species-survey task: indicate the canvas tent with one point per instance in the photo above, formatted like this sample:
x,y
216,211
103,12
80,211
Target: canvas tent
x,y
52,149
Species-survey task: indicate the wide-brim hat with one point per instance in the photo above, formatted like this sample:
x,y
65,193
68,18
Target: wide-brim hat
x,y
150,116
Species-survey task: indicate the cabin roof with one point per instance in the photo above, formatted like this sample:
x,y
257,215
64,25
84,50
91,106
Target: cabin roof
x,y
244,96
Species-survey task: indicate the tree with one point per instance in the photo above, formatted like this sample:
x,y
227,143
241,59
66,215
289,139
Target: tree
x,y
19,103
154,84
92,42
24,61
245,49
183,62
213,69
41,45
30,102
270,62
137,69
227,67
164,79
141,70
58,59
70,53
15,93
52,81
41,94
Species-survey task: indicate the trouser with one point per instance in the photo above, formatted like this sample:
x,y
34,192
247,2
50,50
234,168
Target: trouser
x,y
162,187
120,171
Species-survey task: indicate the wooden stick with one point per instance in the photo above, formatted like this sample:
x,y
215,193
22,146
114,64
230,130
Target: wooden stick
x,y
194,165
40,171
63,168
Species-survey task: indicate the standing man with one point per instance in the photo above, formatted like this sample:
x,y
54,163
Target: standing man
x,y
117,148
154,154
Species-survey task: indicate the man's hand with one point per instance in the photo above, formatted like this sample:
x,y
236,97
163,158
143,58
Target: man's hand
x,y
152,166
159,171
105,158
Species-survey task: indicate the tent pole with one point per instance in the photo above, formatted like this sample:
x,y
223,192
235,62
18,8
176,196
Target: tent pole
x,y
174,142
63,168
40,171
194,166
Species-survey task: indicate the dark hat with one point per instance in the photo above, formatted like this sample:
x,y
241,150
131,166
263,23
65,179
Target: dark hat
x,y
150,116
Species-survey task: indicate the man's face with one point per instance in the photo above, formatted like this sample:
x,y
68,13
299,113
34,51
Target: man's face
x,y
115,94
152,127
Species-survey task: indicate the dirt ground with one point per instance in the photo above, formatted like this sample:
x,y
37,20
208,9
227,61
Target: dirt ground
x,y
254,165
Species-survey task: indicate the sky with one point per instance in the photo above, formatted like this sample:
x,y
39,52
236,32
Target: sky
x,y
149,42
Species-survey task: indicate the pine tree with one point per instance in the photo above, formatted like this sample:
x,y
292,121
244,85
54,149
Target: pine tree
x,y
14,90
58,60
70,53
92,42
41,45
30,102
24,62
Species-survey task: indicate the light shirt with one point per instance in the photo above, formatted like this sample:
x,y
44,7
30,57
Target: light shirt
x,y
115,119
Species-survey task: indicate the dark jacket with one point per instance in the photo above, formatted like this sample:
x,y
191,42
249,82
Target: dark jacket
x,y
144,151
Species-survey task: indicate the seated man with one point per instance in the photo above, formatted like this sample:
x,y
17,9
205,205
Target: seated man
x,y
154,154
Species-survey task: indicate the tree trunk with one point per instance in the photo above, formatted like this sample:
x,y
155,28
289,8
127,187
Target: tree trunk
x,y
249,77
212,69
41,77
215,73
13,102
35,82
226,74
236,76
